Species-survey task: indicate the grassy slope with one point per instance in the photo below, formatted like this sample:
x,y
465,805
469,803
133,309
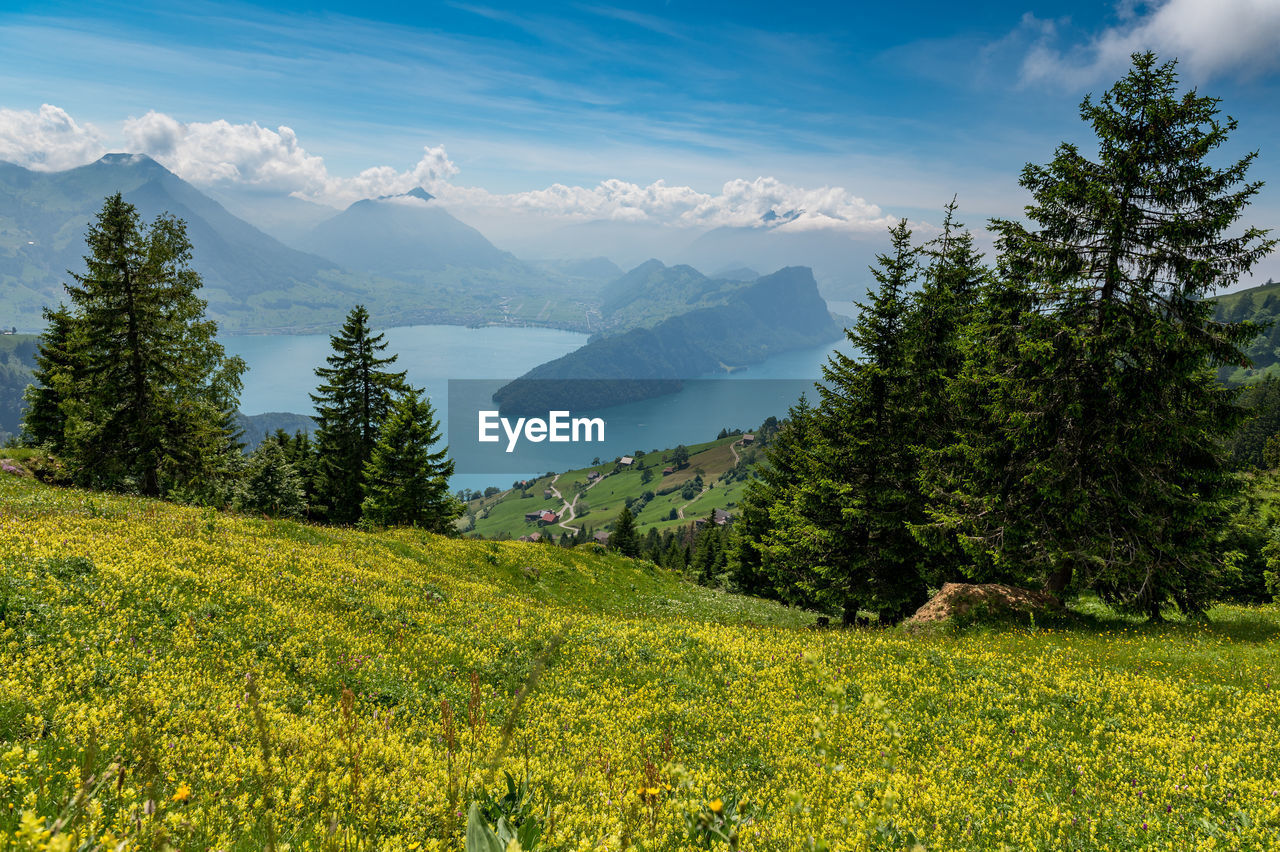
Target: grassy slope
x,y
1257,304
1109,736
605,500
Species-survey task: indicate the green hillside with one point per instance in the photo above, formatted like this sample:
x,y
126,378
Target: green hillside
x,y
502,516
17,356
1260,305
176,678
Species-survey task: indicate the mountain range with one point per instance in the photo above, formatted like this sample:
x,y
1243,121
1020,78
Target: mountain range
x,y
44,216
407,259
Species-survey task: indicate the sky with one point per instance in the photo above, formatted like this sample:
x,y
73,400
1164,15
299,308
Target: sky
x,y
673,113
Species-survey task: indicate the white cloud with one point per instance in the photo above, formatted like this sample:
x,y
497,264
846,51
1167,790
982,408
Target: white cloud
x,y
215,152
432,172
744,203
49,140
1208,38
763,202
219,153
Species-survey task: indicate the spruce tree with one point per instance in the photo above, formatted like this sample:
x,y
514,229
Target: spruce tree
x,y
867,495
352,402
270,485
706,552
1103,466
145,392
406,478
838,529
623,538
953,282
43,422
753,567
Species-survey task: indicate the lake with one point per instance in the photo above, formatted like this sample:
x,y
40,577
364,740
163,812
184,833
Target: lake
x,y
281,376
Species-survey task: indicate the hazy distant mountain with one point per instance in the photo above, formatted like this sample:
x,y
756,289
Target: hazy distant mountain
x,y
599,269
626,243
653,292
737,273
255,427
839,259
773,314
284,217
43,218
403,236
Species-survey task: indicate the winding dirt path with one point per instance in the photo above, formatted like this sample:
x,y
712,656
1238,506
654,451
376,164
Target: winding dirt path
x,y
736,458
567,512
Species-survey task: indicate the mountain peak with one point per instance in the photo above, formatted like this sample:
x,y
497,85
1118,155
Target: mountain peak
x,y
417,192
773,217
123,159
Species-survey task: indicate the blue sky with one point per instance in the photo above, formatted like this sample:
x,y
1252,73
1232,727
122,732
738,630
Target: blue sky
x,y
899,105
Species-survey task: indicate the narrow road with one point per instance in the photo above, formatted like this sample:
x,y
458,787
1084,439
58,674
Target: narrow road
x,y
680,511
567,512
736,459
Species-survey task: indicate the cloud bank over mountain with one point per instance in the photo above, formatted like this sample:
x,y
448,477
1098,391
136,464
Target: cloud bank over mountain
x,y
48,140
220,154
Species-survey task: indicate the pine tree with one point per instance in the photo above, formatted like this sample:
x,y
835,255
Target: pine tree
x,y
867,494
787,461
954,280
145,392
840,536
1103,466
270,485
406,479
354,398
44,423
623,538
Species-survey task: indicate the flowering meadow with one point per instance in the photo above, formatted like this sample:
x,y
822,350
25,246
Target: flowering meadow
x,y
178,678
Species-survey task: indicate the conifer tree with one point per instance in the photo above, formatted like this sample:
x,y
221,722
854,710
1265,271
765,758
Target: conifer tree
x,y
839,534
270,484
353,400
1102,465
705,552
953,282
44,423
145,392
786,463
406,478
623,538
867,495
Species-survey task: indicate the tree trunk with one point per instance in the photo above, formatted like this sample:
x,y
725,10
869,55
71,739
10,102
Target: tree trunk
x,y
1058,580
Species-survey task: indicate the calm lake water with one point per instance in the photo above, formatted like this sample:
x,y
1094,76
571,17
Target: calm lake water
x,y
281,376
